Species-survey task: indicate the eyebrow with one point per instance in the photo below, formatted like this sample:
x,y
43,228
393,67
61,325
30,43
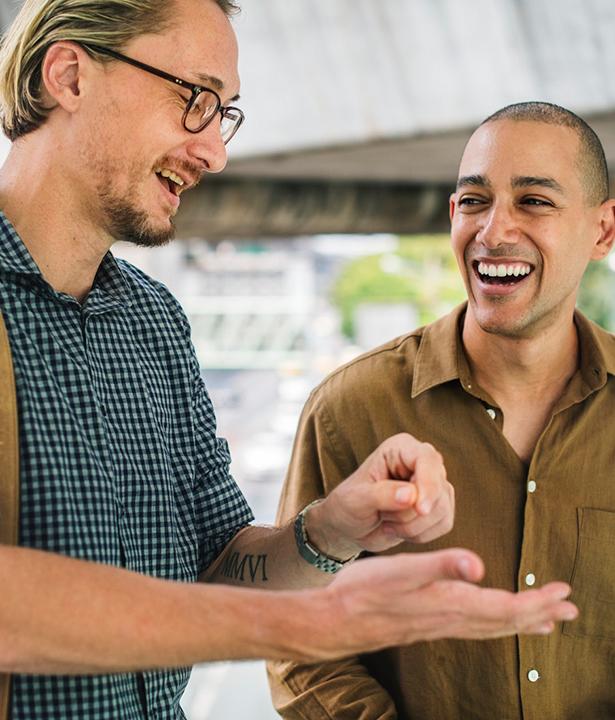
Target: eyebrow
x,y
478,180
519,181
213,82
523,181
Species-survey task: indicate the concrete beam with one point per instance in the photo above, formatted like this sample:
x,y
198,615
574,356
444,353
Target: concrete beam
x,y
239,208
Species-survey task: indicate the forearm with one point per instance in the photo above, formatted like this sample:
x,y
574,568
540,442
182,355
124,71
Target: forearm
x,y
61,616
265,557
65,616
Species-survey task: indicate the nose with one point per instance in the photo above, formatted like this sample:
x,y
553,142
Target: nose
x,y
208,147
498,226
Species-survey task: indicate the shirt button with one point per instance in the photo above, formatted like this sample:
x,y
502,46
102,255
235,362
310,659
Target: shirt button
x,y
491,413
533,675
530,579
531,486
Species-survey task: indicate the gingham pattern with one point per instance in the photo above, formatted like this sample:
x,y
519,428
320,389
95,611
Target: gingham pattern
x,y
120,462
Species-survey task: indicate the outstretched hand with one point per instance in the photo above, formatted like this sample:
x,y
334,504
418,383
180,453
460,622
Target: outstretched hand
x,y
401,599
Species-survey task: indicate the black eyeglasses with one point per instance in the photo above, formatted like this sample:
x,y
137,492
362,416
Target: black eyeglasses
x,y
202,106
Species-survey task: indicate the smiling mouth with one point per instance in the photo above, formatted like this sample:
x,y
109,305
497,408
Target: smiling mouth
x,y
510,273
172,182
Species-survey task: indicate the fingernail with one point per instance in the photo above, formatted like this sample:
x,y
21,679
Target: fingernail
x,y
424,507
570,615
464,567
546,629
403,494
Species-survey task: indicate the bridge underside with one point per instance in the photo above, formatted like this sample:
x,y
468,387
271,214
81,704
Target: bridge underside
x,y
398,185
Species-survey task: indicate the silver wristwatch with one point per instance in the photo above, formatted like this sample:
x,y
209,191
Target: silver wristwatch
x,y
311,554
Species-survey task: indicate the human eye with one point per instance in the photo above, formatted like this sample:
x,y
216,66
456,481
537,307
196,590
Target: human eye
x,y
204,101
472,202
535,201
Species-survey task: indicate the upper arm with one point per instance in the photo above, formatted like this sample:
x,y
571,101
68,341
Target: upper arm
x,y
316,464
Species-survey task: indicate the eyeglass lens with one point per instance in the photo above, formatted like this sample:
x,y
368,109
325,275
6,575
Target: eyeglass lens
x,y
202,111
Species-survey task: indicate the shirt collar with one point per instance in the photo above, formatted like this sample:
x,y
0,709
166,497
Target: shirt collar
x,y
109,284
441,357
437,359
14,255
597,349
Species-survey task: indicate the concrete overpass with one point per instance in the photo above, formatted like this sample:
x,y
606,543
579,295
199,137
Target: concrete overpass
x,y
357,110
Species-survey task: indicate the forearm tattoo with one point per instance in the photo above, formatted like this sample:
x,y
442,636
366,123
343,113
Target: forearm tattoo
x,y
235,566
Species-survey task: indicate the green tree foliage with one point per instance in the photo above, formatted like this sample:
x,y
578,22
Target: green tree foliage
x,y
422,272
597,294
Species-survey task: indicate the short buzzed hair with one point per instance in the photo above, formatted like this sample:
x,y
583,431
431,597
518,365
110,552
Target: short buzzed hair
x,y
591,158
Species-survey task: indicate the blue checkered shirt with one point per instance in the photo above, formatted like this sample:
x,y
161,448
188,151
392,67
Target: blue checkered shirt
x,y
120,462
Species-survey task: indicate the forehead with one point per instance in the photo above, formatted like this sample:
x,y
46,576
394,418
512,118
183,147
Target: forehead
x,y
504,149
199,43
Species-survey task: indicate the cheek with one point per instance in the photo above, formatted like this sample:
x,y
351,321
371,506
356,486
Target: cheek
x,y
459,244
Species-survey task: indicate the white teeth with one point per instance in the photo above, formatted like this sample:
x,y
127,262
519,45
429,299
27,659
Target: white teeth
x,y
503,270
171,175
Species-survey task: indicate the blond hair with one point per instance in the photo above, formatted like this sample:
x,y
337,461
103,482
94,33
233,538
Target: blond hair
x,y
40,23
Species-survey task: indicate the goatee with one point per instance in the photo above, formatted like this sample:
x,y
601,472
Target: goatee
x,y
134,226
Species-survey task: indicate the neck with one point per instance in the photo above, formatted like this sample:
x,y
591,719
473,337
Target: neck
x,y
41,199
508,368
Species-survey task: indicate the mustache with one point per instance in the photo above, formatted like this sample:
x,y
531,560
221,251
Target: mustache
x,y
499,253
195,171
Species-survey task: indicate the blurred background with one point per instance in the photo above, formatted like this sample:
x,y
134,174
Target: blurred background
x,y
327,233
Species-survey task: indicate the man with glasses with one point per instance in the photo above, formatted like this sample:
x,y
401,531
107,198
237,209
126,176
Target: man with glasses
x,y
126,497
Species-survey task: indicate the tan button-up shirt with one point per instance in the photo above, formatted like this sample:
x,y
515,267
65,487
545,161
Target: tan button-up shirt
x,y
553,520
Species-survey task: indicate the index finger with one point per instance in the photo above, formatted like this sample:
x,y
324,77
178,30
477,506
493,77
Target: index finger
x,y
429,478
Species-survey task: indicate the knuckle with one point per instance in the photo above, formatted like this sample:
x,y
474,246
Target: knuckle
x,y
403,437
429,449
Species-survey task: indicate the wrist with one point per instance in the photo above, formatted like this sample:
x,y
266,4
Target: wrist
x,y
324,536
299,625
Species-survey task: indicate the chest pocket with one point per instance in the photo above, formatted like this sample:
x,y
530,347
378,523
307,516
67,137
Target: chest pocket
x,y
593,577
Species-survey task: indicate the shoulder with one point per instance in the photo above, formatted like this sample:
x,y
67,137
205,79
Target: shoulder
x,y
378,372
151,296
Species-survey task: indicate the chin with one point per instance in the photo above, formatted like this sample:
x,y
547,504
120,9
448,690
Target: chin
x,y
136,226
504,324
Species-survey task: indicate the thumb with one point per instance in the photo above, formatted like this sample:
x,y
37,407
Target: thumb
x,y
454,564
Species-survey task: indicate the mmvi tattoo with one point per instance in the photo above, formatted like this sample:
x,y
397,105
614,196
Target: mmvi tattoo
x,y
235,567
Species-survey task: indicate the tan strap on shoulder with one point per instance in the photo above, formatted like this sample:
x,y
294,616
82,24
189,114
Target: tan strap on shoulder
x,y
9,471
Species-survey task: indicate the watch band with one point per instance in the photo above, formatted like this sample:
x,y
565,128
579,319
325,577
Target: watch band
x,y
311,554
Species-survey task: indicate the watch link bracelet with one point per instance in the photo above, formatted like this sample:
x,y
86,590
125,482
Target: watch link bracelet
x,y
311,554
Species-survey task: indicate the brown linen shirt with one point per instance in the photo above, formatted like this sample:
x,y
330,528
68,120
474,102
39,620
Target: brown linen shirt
x,y
553,520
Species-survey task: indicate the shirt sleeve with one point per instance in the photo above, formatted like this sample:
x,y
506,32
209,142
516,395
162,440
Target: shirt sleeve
x,y
342,689
220,507
328,691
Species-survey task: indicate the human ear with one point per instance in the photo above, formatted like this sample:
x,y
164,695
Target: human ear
x,y
452,204
604,243
62,75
